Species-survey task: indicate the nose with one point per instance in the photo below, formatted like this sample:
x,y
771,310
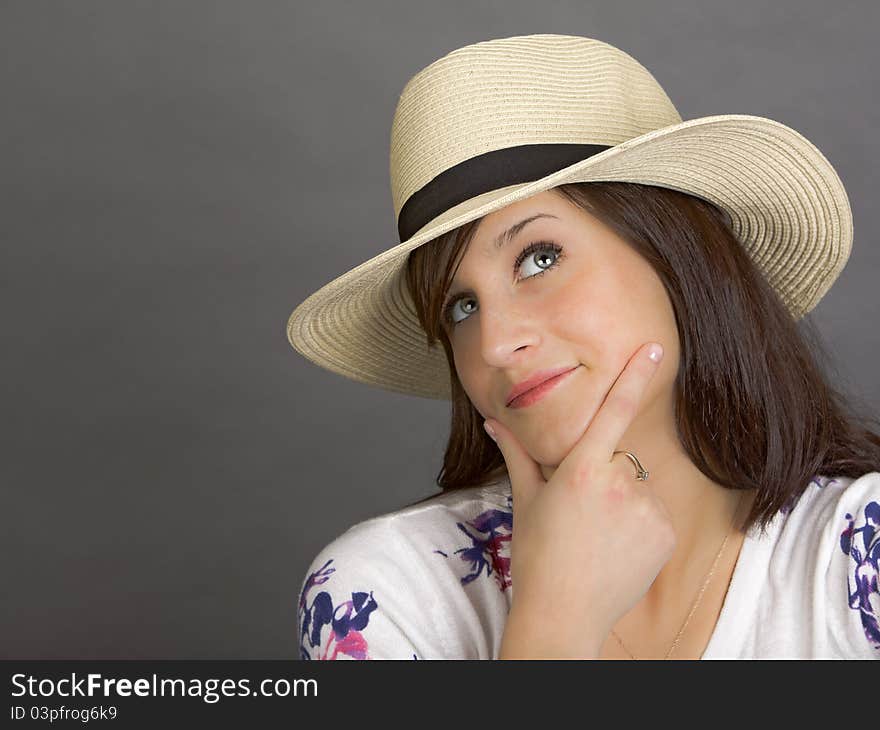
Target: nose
x,y
505,335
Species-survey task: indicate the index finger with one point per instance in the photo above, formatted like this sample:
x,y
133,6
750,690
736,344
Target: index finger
x,y
600,440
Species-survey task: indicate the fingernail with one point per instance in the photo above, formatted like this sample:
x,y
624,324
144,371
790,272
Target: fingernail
x,y
490,431
655,352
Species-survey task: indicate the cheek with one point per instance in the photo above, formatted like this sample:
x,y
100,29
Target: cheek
x,y
580,314
606,327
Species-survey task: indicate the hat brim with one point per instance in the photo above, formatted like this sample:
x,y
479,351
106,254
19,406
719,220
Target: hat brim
x,y
787,205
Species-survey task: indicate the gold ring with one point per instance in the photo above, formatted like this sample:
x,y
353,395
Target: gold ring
x,y
641,472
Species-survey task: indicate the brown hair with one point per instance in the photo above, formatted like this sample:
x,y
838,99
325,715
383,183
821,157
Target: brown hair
x,y
753,408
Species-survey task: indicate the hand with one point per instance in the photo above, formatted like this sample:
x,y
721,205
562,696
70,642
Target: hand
x,y
587,544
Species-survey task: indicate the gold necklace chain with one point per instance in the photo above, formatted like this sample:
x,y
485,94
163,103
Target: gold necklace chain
x,y
699,595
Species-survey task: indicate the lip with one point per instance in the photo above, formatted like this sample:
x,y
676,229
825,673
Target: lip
x,y
534,387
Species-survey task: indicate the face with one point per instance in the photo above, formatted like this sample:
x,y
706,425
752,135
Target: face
x,y
580,298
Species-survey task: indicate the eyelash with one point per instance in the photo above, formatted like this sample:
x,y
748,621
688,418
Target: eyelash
x,y
523,255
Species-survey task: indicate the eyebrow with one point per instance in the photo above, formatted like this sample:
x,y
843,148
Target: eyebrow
x,y
517,227
504,238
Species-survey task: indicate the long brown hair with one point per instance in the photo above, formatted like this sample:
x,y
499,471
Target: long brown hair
x,y
754,407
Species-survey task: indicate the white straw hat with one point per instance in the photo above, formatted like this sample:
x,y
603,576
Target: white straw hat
x,y
501,120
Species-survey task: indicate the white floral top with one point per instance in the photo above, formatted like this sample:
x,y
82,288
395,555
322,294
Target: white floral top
x,y
432,581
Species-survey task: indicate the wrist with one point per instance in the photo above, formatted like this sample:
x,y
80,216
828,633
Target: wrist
x,y
533,637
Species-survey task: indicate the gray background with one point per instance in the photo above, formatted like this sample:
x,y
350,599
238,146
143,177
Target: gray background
x,y
175,177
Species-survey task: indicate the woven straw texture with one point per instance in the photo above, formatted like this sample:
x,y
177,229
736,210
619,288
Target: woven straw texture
x,y
787,204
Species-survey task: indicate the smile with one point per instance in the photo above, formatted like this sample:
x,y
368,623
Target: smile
x,y
539,391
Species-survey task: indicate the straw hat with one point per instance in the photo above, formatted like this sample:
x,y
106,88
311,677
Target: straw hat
x,y
494,122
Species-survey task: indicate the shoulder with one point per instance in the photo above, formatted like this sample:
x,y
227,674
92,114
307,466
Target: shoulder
x,y
835,525
425,581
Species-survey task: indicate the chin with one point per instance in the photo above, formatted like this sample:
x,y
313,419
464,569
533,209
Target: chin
x,y
547,451
553,443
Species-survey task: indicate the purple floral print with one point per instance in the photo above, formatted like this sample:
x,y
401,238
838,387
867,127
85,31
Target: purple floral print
x,y
862,544
346,621
489,534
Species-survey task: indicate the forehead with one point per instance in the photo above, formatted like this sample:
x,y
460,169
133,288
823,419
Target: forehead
x,y
500,227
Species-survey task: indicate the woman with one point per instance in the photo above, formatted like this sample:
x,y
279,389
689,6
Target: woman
x,y
713,497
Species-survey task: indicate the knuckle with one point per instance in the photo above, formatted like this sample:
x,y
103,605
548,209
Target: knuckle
x,y
648,511
615,495
622,476
617,485
585,473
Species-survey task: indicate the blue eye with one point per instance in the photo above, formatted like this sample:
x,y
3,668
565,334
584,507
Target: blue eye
x,y
538,246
